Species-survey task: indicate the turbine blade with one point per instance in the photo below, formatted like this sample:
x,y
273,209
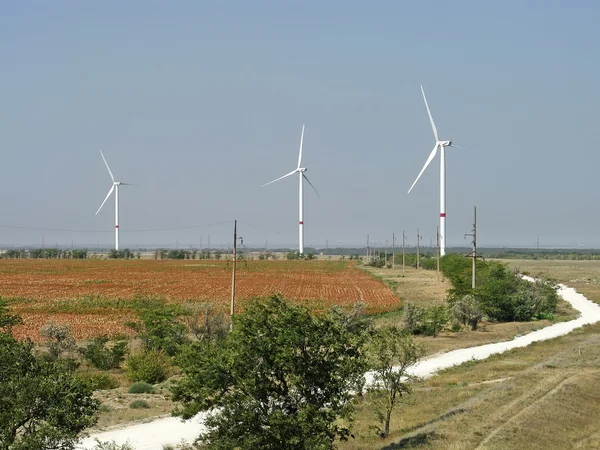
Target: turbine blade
x,y
431,156
300,153
458,146
281,178
111,175
311,185
435,133
106,198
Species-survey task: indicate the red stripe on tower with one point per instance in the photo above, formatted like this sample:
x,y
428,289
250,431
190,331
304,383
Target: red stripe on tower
x,y
116,226
442,214
301,223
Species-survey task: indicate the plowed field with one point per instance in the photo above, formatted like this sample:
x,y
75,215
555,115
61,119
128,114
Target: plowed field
x,y
94,296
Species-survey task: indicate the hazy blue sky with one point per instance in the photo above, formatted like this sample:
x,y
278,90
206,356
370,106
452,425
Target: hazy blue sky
x,y
200,103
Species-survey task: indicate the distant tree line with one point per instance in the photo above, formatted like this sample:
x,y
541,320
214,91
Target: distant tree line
x,y
189,254
45,253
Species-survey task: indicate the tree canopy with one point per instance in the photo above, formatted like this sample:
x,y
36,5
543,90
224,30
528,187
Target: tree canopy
x,y
283,378
42,405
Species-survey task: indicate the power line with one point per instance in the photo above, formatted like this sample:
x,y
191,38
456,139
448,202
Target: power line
x,y
146,230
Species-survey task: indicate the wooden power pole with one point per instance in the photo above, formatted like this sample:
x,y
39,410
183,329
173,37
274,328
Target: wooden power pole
x,y
474,246
418,239
437,250
235,239
403,250
393,250
474,253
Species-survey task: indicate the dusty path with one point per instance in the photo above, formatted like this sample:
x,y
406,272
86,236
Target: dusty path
x,y
153,435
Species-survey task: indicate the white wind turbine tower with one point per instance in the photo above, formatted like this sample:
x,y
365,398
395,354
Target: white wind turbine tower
x,y
114,187
442,146
301,175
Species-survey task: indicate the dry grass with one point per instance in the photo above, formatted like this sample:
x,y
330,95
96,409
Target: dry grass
x,y
542,396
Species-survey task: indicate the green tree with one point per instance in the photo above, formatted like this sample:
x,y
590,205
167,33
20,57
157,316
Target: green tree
x,y
104,357
437,317
43,406
282,378
392,351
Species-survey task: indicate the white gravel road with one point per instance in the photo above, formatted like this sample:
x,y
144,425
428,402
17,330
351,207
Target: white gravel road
x,y
153,435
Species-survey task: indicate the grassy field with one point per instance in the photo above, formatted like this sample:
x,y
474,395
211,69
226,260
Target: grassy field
x,y
540,397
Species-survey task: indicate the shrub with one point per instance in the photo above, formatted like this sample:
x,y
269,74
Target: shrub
x,y
141,387
464,311
139,404
159,328
98,380
112,445
151,366
102,357
205,322
413,318
58,338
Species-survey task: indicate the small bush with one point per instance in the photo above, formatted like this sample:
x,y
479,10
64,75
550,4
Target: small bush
x,y
98,380
151,366
139,404
159,327
102,357
141,387
413,319
112,445
58,339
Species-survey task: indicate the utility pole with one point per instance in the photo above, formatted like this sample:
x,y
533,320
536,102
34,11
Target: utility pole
x,y
418,245
474,254
368,254
437,250
235,238
403,250
200,242
393,250
385,254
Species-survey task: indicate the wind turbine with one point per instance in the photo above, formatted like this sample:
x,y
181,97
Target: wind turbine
x,y
442,146
114,187
301,175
